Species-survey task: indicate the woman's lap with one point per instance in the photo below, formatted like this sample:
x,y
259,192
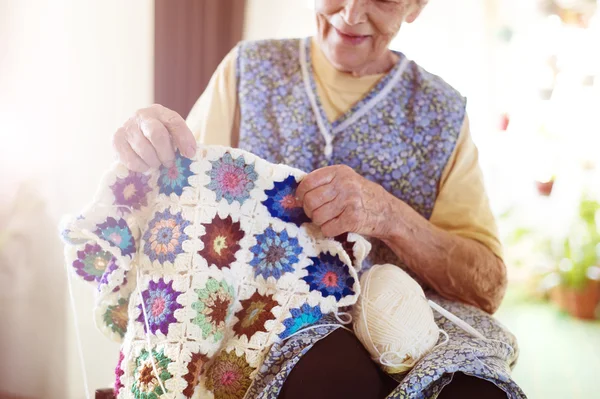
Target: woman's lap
x,y
338,366
466,386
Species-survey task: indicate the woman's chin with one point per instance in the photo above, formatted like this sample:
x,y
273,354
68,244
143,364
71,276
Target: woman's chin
x,y
347,61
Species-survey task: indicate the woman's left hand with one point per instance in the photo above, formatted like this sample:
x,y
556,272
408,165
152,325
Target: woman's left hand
x,y
339,200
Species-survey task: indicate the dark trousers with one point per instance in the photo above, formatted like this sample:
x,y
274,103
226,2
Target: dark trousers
x,y
338,366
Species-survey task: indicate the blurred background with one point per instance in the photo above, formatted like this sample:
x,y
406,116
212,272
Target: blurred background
x,y
72,71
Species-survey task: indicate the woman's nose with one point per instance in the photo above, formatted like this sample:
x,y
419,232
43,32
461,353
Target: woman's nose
x,y
355,12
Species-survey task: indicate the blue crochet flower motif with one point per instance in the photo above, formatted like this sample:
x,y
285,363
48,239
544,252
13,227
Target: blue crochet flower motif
x,y
282,204
118,234
329,275
231,179
175,178
165,236
303,316
274,254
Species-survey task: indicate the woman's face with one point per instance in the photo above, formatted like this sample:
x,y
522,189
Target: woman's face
x,y
355,34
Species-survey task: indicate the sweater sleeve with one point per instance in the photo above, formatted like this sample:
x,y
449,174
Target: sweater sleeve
x,y
462,206
212,117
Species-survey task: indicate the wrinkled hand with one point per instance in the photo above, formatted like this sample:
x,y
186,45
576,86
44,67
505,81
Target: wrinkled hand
x,y
150,137
339,200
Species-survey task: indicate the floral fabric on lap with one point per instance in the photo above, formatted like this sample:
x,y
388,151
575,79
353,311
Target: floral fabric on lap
x,y
215,262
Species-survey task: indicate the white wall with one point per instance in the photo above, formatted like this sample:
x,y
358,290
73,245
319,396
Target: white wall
x,y
71,72
453,40
268,19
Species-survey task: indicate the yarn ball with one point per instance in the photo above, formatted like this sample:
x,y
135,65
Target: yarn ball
x,y
393,319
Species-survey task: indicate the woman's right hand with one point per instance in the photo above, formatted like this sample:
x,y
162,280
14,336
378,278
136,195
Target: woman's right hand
x,y
150,137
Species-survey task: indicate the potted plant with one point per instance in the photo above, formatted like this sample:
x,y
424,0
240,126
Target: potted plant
x,y
577,277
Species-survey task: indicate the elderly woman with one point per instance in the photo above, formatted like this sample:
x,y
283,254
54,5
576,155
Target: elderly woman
x,y
391,157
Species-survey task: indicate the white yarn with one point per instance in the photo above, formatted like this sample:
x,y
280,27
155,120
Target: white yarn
x,y
314,327
78,335
393,319
148,343
454,319
338,317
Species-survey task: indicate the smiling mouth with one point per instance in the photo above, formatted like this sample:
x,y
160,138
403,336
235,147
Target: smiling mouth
x,y
350,38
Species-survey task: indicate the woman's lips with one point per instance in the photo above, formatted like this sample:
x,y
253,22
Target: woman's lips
x,y
350,38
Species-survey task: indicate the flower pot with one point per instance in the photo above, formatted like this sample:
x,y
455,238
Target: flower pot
x,y
580,303
544,188
559,297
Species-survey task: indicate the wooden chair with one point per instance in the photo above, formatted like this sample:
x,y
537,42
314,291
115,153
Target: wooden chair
x,y
107,393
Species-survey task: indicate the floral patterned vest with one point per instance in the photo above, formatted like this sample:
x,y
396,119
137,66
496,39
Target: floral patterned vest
x,y
400,135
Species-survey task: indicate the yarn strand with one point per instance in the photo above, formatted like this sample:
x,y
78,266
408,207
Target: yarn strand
x,y
456,320
149,344
338,317
314,327
77,334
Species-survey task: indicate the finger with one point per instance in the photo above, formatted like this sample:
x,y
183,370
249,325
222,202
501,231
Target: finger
x,y
313,180
141,145
325,213
318,197
126,155
336,226
182,135
159,137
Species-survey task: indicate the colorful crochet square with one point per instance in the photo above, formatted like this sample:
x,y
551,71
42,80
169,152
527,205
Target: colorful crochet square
x,y
214,308
282,204
232,179
303,316
92,262
329,275
118,373
195,369
160,300
274,254
116,317
131,191
118,234
228,377
105,280
165,236
256,310
211,281
174,179
221,241
146,385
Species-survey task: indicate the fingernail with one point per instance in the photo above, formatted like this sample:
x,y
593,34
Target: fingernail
x,y
190,151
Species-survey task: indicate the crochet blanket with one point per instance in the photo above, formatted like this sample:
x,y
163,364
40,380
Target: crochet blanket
x,y
201,267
